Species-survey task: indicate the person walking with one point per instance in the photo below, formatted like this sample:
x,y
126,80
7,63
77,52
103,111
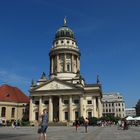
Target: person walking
x,y
86,122
77,124
44,125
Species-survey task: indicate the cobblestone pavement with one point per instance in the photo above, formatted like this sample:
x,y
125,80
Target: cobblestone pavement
x,y
68,133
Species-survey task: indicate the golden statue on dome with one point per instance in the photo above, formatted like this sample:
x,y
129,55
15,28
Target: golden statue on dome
x,y
65,21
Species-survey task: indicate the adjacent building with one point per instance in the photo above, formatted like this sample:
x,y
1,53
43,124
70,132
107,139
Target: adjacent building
x,y
138,108
65,93
113,104
130,112
13,103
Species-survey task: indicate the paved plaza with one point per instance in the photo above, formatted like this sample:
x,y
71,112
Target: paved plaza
x,y
68,133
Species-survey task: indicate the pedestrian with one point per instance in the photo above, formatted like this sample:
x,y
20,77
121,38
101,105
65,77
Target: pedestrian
x,y
44,125
14,124
77,124
125,125
86,122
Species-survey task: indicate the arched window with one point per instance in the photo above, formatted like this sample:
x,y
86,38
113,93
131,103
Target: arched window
x,y
68,67
3,112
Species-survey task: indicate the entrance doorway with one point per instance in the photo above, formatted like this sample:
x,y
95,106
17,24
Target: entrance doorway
x,y
36,116
55,108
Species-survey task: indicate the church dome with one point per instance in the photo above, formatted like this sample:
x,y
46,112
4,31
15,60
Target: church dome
x,y
64,31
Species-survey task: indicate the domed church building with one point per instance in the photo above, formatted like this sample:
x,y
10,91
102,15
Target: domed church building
x,y
65,94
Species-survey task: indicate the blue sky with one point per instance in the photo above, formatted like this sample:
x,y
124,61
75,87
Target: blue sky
x,y
107,32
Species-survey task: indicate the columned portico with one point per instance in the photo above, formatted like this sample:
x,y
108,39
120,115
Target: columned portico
x,y
100,107
50,109
94,107
31,110
40,105
60,109
81,105
70,108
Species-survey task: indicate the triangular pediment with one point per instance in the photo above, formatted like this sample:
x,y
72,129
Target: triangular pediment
x,y
55,85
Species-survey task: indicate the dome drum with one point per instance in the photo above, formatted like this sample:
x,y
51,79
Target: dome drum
x,y
65,41
65,51
64,54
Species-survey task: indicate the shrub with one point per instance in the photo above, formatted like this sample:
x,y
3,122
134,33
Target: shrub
x,y
93,121
25,123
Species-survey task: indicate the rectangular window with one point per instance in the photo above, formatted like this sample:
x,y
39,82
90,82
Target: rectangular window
x,y
76,101
68,67
89,102
23,111
66,101
46,102
13,113
66,116
76,115
89,114
36,116
3,111
36,102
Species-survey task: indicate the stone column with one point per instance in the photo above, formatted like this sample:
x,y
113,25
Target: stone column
x,y
60,108
31,110
40,108
94,108
65,66
70,108
78,64
99,107
81,106
58,64
52,65
40,105
50,110
72,62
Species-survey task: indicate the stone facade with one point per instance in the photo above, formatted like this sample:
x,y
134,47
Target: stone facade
x,y
13,104
11,111
65,94
130,112
113,104
138,108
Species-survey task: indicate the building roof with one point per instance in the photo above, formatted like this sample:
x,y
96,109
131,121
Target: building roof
x,y
12,94
64,31
112,97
